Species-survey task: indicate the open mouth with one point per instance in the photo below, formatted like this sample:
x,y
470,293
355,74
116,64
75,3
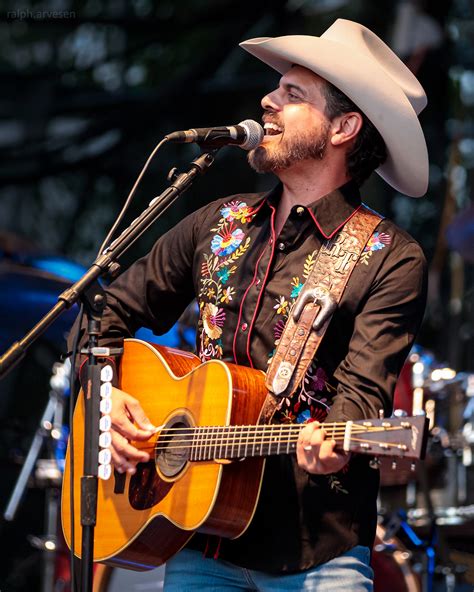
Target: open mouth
x,y
272,129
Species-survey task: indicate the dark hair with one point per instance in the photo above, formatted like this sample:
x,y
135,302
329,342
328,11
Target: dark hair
x,y
369,150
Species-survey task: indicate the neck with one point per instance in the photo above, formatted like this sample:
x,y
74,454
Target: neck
x,y
305,183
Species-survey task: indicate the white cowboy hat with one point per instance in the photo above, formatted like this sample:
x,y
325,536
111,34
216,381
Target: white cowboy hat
x,y
364,68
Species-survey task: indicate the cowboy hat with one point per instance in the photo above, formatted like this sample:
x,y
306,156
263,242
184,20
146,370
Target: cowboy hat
x,y
363,67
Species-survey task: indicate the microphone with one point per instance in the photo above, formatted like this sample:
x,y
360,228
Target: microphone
x,y
247,134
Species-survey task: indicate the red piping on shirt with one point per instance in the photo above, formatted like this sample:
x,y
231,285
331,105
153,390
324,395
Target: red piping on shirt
x,y
257,209
338,228
252,322
242,303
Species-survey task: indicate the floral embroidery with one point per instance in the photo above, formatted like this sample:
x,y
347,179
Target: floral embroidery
x,y
378,241
213,319
227,241
297,285
227,295
278,329
335,484
227,245
223,275
281,306
236,210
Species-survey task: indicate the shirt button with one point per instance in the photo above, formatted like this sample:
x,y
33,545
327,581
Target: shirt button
x,y
299,210
244,326
281,246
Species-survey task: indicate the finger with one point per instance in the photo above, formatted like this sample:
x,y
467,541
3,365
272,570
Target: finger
x,y
318,436
125,427
127,452
121,464
138,415
304,440
125,410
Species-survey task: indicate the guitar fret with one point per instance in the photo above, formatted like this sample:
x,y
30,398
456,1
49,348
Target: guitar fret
x,y
205,443
222,430
279,439
233,443
246,441
293,445
201,450
192,456
213,450
239,441
227,440
197,443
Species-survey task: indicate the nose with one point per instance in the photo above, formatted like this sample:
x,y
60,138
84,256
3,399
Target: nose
x,y
270,102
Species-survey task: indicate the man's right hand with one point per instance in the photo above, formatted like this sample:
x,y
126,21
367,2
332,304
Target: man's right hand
x,y
129,422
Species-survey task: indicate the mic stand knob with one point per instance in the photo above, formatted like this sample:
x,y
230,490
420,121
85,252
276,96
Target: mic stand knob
x,y
172,175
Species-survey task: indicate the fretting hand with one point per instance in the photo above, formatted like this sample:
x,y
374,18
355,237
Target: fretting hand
x,y
317,455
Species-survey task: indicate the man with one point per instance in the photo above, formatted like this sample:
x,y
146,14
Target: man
x,y
345,106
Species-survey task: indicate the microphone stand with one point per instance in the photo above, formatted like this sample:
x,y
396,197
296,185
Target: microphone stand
x,y
88,290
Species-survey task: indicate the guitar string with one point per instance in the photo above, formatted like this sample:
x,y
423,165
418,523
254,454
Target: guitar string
x,y
189,443
212,434
237,438
199,446
223,438
164,431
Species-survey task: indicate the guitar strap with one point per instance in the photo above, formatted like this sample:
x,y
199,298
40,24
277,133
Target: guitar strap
x,y
310,316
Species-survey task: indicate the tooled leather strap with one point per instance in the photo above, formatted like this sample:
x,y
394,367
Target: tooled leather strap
x,y
310,316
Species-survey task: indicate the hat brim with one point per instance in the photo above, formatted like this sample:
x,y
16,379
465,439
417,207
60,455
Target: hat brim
x,y
369,86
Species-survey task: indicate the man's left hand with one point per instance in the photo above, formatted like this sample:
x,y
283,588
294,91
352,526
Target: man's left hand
x,y
317,455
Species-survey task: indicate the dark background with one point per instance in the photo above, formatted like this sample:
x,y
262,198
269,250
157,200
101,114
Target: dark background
x,y
87,90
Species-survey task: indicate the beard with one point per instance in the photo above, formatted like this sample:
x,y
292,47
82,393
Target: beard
x,y
307,145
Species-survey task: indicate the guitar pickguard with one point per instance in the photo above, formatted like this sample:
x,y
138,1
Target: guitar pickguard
x,y
146,488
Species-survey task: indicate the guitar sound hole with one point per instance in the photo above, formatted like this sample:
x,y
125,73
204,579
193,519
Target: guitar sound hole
x,y
173,447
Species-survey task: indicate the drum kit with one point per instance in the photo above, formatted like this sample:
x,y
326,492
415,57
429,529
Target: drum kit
x,y
426,517
426,514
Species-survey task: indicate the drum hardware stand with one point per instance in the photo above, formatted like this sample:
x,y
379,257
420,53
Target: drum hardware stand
x,y
50,427
105,264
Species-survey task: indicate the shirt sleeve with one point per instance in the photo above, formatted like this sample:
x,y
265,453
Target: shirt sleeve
x,y
155,290
384,332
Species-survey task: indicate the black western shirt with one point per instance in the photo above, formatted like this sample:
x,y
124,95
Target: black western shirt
x,y
246,279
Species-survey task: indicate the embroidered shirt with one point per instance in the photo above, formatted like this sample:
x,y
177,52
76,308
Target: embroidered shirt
x,y
246,280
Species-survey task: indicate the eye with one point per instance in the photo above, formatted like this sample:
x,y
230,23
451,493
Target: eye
x,y
294,97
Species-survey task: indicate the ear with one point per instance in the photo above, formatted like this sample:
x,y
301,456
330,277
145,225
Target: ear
x,y
345,127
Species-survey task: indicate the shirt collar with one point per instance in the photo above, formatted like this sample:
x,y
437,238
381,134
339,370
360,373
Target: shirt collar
x,y
329,212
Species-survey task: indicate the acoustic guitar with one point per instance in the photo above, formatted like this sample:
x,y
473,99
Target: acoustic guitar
x,y
207,459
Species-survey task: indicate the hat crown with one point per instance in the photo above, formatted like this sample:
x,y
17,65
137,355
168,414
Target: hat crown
x,y
359,38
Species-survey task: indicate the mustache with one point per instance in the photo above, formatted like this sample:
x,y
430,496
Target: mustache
x,y
271,118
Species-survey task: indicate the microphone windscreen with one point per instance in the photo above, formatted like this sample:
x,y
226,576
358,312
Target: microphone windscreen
x,y
255,134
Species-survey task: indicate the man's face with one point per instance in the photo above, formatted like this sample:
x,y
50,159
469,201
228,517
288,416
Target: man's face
x,y
296,128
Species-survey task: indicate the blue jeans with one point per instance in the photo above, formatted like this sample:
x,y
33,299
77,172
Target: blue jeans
x,y
190,570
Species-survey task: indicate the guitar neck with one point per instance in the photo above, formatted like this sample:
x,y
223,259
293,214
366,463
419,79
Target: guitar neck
x,y
391,437
233,442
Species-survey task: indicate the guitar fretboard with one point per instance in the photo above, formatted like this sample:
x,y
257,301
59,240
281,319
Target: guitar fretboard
x,y
231,442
